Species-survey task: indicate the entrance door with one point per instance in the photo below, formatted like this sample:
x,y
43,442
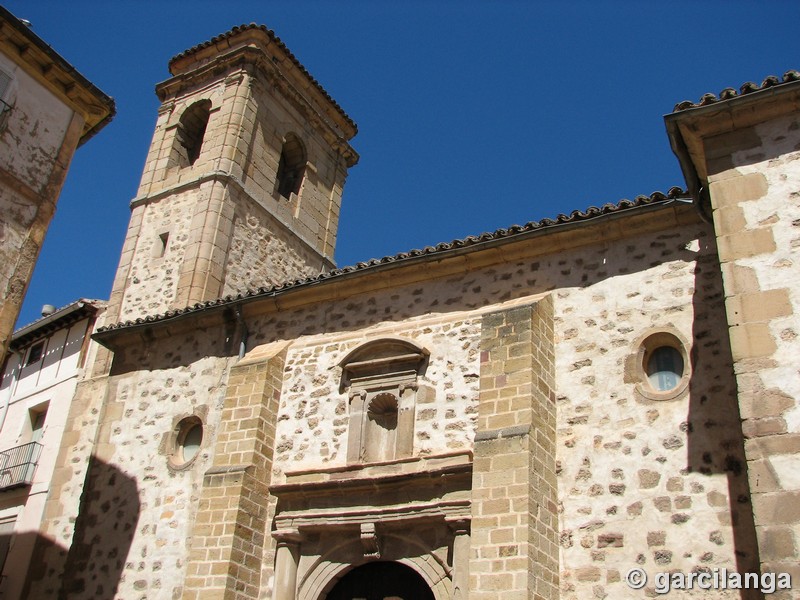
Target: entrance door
x,y
381,581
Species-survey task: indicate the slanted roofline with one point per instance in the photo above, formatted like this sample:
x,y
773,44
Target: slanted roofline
x,y
691,123
49,68
60,318
466,253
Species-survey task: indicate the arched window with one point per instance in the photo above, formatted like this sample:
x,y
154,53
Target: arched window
x,y
189,134
291,167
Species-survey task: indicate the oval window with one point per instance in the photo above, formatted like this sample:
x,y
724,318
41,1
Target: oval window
x,y
665,368
186,443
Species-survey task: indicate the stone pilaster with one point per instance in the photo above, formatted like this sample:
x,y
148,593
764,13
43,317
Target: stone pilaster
x,y
761,317
514,520
88,409
287,556
461,546
229,533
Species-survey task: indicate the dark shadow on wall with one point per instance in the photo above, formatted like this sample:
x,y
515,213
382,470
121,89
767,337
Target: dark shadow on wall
x,y
104,529
714,428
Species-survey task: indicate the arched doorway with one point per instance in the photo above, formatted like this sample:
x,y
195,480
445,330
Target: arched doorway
x,y
381,581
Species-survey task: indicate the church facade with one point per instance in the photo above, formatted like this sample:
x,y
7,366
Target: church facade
x,y
531,412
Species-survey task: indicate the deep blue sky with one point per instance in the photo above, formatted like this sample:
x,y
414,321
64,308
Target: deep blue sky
x,y
472,115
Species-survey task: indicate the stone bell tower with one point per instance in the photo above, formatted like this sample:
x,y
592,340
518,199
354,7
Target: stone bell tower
x,y
243,181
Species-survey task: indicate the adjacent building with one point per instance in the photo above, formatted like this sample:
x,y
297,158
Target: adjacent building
x,y
45,361
47,110
525,413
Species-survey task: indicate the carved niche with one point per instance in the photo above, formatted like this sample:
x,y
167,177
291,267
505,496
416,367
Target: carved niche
x,y
381,378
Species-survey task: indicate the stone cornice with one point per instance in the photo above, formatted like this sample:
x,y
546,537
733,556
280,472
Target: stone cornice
x,y
418,511
367,475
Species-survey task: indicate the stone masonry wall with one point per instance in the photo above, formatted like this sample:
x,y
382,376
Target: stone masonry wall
x,y
152,278
755,192
262,252
126,512
313,417
629,470
655,484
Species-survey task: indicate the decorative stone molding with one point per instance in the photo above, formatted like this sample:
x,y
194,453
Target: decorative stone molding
x,y
287,536
370,541
458,525
381,379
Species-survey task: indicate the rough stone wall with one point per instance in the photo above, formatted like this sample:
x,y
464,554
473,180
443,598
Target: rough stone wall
x,y
660,484
153,271
257,251
262,251
313,418
121,517
151,403
755,191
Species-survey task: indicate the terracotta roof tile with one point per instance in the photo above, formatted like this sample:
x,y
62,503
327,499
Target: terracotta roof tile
x,y
744,89
273,38
576,216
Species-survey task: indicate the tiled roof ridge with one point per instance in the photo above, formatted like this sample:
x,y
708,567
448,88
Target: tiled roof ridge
x,y
273,37
746,88
592,212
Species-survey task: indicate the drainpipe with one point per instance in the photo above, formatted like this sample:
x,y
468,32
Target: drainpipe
x,y
243,329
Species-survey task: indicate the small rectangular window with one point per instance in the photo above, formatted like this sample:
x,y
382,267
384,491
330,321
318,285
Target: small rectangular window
x,y
160,245
37,423
35,353
164,237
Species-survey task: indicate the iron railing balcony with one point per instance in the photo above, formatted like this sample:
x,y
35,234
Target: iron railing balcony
x,y
18,464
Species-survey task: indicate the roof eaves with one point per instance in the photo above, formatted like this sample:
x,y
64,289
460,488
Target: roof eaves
x,y
59,318
745,89
68,68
